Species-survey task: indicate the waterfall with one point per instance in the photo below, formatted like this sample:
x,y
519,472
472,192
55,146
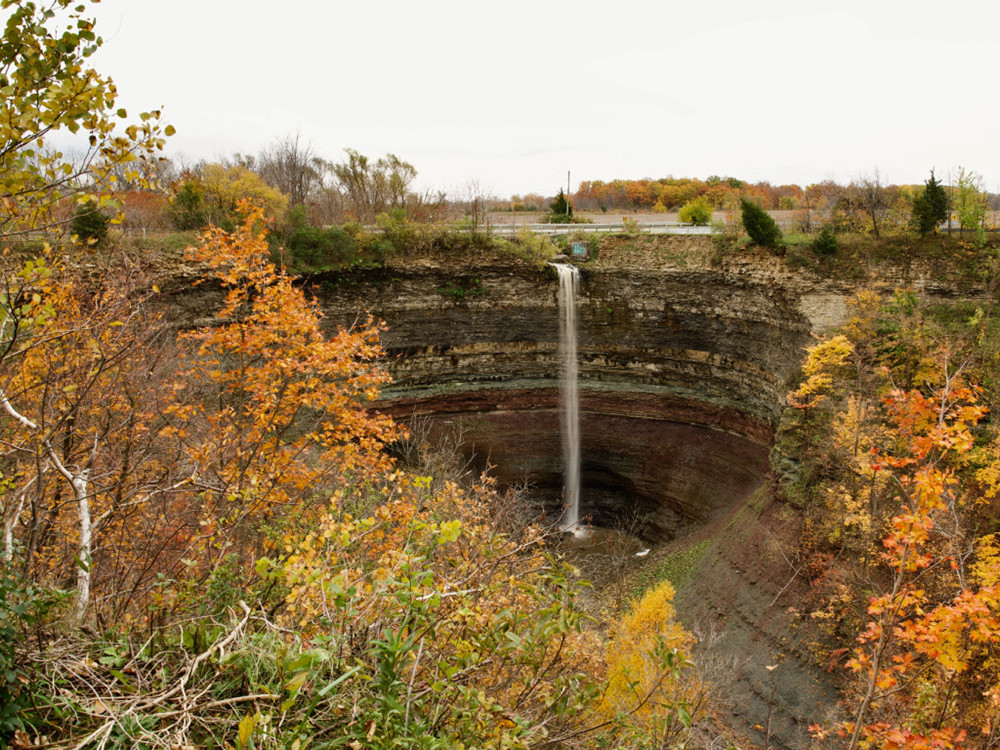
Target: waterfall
x,y
569,279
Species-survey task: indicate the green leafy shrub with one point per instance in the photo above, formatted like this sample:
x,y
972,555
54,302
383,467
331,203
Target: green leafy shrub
x,y
90,223
397,229
759,225
797,256
410,621
22,607
630,227
557,219
697,211
461,289
187,210
312,249
538,249
477,640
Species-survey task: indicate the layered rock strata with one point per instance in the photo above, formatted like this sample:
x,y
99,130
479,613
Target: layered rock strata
x,y
682,375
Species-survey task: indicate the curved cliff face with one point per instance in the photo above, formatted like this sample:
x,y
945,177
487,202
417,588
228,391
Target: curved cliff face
x,y
682,374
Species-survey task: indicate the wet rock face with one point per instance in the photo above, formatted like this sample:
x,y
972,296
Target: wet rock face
x,y
682,374
653,461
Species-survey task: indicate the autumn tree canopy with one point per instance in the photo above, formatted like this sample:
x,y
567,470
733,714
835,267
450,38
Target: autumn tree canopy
x,y
895,407
48,89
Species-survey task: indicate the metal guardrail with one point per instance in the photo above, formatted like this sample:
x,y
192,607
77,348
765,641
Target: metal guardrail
x,y
647,228
651,227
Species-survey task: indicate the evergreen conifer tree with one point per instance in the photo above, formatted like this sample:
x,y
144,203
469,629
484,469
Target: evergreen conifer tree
x,y
937,198
188,208
89,223
826,241
930,208
759,225
560,206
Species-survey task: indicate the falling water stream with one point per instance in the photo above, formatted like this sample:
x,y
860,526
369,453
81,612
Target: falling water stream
x,y
569,279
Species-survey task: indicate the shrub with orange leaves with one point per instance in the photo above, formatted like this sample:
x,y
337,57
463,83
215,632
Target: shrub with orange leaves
x,y
87,475
916,653
903,466
270,409
129,471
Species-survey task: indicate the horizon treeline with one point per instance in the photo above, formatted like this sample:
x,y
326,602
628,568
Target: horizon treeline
x,y
297,186
670,193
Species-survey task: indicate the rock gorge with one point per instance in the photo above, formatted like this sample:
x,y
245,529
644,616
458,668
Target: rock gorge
x,y
682,375
683,371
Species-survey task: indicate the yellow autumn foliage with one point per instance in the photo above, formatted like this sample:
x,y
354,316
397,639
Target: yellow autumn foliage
x,y
856,432
986,568
988,471
865,307
823,360
642,644
225,187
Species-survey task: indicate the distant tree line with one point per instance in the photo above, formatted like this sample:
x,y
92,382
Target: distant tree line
x,y
670,193
867,204
297,186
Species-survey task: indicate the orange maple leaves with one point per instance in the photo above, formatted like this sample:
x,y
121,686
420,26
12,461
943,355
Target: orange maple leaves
x,y
176,466
908,640
281,421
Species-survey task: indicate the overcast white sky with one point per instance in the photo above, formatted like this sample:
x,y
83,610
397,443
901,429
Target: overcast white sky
x,y
515,93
